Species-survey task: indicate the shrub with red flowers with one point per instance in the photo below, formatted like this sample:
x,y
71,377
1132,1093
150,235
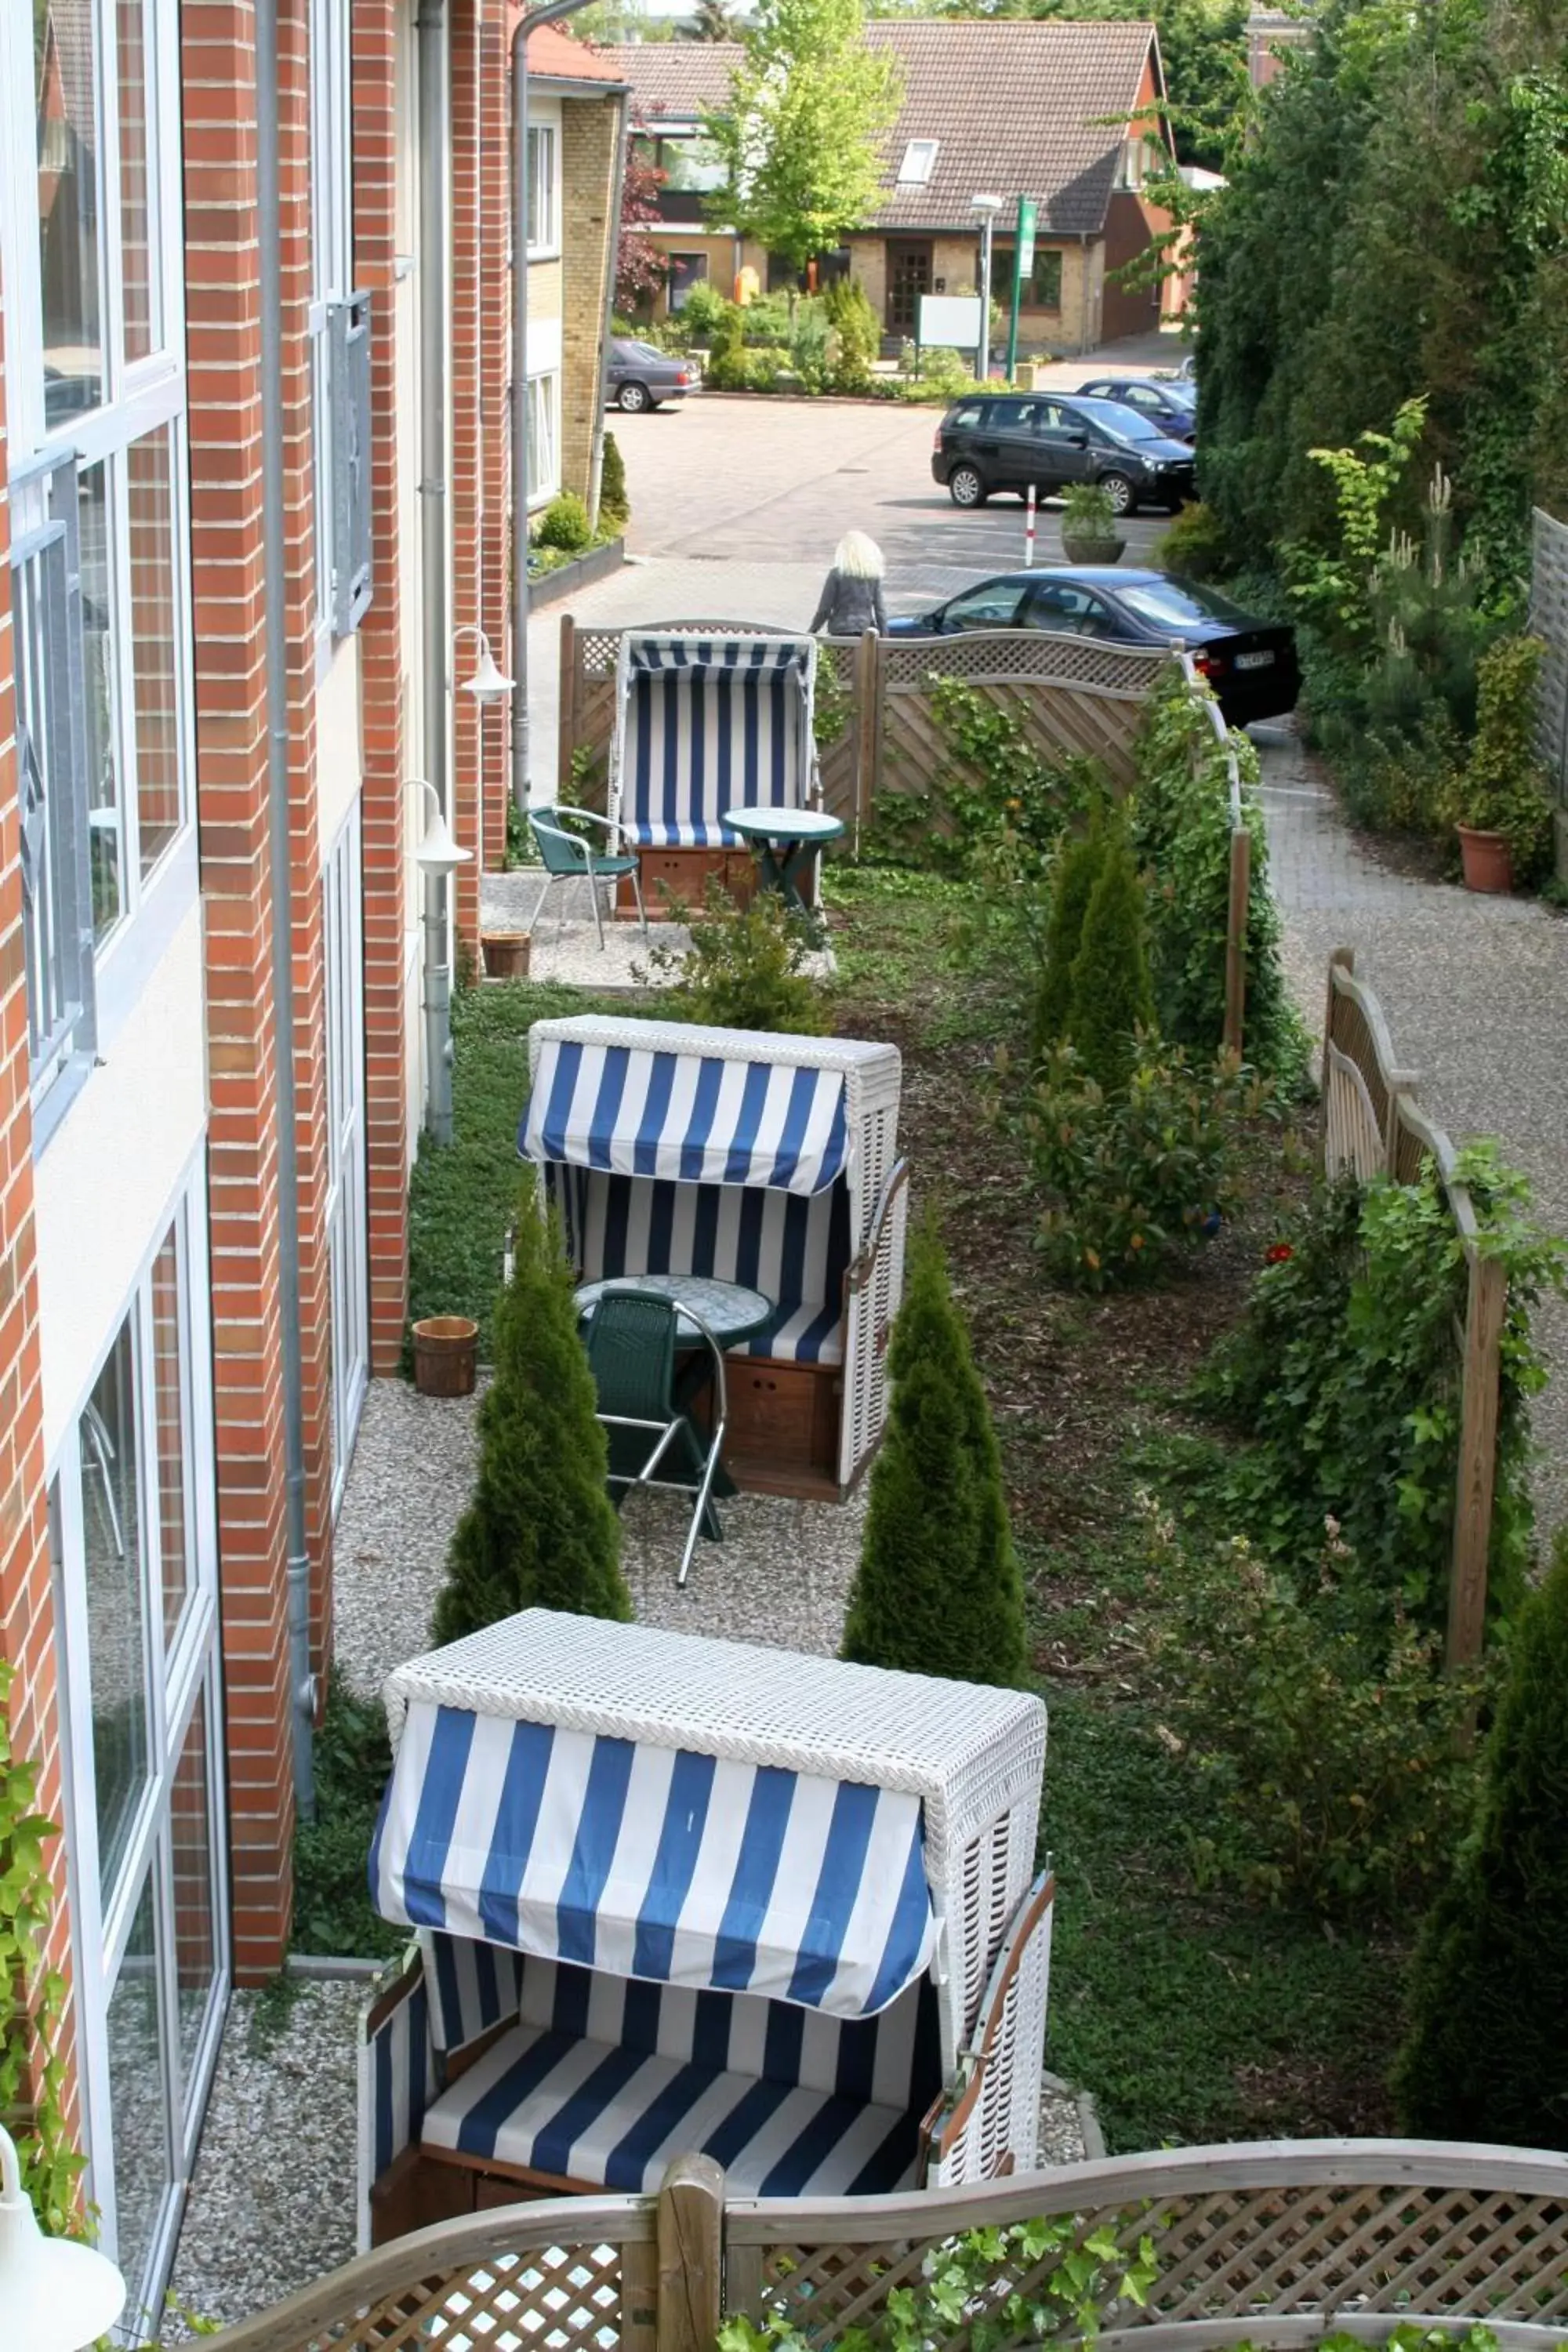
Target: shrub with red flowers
x,y
1279,1254
1131,1181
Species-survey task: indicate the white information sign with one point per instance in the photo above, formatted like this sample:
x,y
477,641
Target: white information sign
x,y
950,320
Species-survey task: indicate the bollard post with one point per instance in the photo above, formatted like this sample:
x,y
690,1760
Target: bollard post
x,y
1029,530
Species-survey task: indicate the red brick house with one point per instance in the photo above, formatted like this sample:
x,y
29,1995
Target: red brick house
x,y
222,660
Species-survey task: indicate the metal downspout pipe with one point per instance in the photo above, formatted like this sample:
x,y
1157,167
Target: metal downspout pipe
x,y
430,26
302,1682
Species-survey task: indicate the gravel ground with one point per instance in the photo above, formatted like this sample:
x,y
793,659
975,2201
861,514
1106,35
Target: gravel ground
x,y
272,2203
1474,992
566,946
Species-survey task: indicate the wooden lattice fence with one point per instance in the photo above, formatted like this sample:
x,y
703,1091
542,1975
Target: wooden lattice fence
x,y
1549,621
1274,2243
1373,1125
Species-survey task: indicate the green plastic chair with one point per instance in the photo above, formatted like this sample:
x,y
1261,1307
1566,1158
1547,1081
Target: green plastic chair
x,y
631,1349
569,858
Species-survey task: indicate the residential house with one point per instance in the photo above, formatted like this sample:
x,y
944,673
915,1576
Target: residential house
x,y
1068,114
1271,34
242,569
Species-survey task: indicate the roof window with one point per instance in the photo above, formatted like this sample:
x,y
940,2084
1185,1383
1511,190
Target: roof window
x,y
920,161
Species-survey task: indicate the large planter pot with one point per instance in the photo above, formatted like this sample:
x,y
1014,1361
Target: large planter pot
x,y
446,1355
506,954
1092,551
1487,858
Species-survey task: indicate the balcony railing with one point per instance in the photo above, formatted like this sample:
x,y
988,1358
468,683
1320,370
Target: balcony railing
x,y
348,365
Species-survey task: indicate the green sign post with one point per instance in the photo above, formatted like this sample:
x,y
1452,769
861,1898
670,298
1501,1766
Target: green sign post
x,y
1023,267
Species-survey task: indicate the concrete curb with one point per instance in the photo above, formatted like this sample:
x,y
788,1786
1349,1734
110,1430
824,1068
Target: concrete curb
x,y
321,1969
580,572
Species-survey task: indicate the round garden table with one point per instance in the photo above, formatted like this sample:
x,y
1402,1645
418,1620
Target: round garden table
x,y
731,1311
783,839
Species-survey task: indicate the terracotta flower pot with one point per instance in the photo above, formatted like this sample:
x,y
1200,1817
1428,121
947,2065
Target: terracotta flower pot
x,y
1080,550
445,1354
1487,858
506,954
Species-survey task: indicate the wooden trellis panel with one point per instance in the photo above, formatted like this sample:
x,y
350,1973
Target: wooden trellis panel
x,y
1549,621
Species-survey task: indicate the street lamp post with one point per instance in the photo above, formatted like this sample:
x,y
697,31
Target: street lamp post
x,y
987,208
55,2295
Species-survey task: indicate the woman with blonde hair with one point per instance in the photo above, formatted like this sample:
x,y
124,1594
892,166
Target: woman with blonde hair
x,y
851,600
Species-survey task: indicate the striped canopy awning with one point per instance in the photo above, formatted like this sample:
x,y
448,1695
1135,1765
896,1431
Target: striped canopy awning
x,y
630,1111
654,1862
712,656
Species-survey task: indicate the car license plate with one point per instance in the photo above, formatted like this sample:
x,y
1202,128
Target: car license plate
x,y
1254,661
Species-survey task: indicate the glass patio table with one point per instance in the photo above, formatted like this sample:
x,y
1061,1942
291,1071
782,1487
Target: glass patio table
x,y
731,1311
785,840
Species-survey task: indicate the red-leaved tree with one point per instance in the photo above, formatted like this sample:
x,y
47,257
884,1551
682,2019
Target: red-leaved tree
x,y
640,268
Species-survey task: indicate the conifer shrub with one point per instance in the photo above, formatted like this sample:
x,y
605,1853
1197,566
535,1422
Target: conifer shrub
x,y
938,1590
1077,871
541,1530
615,501
1112,996
1487,2053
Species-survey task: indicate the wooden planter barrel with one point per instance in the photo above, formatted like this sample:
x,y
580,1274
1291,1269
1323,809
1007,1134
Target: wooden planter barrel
x,y
446,1355
506,954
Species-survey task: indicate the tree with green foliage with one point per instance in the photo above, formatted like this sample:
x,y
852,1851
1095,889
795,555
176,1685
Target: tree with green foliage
x,y
1077,872
615,499
1112,995
1487,2054
938,1591
541,1530
711,21
800,135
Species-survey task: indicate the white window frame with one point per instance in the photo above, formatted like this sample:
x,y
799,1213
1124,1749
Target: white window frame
x,y
138,398
331,271
543,434
175,1680
543,180
919,163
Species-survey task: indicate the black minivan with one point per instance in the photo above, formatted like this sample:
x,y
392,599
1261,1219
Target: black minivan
x,y
1008,440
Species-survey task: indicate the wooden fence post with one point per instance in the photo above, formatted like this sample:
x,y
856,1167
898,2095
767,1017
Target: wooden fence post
x,y
1485,1311
691,2254
1235,937
566,716
869,727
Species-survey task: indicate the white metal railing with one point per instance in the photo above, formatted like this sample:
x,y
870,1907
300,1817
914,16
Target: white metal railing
x,y
348,376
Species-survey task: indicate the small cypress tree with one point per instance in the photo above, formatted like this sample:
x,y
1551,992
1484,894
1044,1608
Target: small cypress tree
x,y
615,502
541,1530
1487,2052
1077,871
938,1590
1112,995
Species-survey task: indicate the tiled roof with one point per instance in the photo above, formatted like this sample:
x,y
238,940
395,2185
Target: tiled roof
x,y
556,55
1015,106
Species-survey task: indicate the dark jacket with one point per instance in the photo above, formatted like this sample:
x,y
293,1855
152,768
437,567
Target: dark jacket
x,y
847,608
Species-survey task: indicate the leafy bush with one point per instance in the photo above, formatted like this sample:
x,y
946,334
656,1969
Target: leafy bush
x,y
615,501
1077,872
1181,830
745,967
1086,511
1343,1375
859,334
702,309
1195,546
333,1913
993,785
1112,1002
1131,1181
1504,788
565,524
1487,2055
540,1531
32,2009
1335,1772
938,1590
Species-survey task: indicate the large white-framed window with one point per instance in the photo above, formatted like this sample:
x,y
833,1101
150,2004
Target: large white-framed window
x,y
544,437
91,246
134,1538
340,338
543,191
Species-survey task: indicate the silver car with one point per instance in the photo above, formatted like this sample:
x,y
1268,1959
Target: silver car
x,y
641,376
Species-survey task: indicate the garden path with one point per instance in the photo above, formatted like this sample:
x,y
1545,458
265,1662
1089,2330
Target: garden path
x,y
1475,991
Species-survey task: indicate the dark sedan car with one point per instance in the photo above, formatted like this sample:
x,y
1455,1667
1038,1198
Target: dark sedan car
x,y
1171,407
1011,439
642,376
1250,664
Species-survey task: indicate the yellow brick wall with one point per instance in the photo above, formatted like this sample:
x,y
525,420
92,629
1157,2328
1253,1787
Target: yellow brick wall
x,y
544,290
589,131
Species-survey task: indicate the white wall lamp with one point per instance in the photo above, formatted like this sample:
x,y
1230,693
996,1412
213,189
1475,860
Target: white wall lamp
x,y
487,684
437,858
55,2295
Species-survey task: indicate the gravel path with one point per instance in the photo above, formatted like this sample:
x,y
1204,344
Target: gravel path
x,y
1475,991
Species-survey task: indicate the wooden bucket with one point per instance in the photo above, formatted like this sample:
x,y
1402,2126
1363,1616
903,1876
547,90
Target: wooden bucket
x,y
506,954
446,1355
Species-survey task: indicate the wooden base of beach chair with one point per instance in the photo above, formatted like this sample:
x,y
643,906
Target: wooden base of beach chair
x,y
683,875
782,1436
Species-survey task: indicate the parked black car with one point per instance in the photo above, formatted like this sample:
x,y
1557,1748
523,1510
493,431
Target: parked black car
x,y
1250,664
1011,439
642,376
1171,408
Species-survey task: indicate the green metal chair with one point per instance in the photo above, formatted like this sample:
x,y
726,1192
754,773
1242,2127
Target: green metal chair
x,y
569,858
631,1349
